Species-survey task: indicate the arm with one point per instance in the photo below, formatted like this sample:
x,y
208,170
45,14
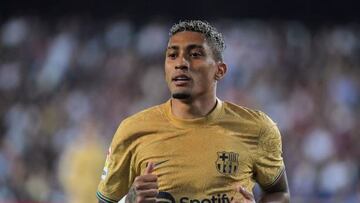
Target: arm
x,y
278,192
144,188
116,176
269,167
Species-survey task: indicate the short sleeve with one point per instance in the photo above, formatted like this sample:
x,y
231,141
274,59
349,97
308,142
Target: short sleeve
x,y
269,164
115,179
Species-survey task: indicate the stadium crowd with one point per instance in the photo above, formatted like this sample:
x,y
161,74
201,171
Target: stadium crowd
x,y
66,84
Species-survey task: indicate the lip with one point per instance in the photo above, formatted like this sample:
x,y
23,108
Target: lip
x,y
180,75
181,82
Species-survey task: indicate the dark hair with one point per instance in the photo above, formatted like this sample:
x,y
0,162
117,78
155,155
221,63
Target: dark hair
x,y
214,38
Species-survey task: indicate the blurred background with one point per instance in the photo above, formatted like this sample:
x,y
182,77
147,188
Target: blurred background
x,y
70,71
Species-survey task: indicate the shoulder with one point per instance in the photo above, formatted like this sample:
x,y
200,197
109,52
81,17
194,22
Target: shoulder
x,y
248,114
257,123
154,113
141,123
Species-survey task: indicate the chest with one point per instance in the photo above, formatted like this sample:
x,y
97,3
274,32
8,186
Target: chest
x,y
203,159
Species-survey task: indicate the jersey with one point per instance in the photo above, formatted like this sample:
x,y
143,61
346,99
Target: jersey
x,y
196,160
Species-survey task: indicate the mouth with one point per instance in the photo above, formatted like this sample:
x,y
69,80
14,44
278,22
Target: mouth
x,y
181,80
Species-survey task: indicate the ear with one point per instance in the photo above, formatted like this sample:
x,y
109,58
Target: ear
x,y
221,70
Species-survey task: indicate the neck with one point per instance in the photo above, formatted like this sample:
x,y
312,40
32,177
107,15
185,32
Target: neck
x,y
191,109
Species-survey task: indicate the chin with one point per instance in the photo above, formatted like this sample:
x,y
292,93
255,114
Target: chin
x,y
181,95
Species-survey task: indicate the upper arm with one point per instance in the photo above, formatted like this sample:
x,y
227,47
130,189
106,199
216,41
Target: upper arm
x,y
115,179
280,185
278,191
269,167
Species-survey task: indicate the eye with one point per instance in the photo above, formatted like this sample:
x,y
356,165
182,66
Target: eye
x,y
196,54
171,55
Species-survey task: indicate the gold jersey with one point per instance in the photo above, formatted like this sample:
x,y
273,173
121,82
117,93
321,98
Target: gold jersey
x,y
196,160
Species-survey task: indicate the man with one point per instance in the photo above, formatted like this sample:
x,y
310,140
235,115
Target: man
x,y
195,148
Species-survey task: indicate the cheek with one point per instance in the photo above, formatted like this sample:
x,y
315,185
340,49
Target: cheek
x,y
208,74
167,74
205,79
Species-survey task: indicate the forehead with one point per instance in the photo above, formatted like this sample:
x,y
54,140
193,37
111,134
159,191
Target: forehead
x,y
185,38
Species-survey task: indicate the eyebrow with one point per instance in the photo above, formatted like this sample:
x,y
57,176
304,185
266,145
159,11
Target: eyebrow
x,y
189,47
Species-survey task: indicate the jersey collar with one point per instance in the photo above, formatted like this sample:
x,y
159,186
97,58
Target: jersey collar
x,y
208,119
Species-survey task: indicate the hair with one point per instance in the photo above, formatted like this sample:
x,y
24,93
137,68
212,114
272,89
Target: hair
x,y
214,38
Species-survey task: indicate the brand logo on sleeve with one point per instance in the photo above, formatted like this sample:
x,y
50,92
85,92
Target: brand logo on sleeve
x,y
227,163
106,167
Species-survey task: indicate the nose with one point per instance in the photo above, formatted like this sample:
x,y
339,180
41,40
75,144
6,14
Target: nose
x,y
182,64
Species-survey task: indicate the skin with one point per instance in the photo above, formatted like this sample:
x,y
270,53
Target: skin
x,y
189,54
145,187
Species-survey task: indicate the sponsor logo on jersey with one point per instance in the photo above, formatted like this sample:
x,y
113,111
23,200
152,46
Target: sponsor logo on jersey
x,y
165,197
227,163
219,198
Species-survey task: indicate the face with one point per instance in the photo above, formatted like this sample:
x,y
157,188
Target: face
x,y
190,68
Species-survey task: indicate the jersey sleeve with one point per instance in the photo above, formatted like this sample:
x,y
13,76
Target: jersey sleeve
x,y
269,164
116,177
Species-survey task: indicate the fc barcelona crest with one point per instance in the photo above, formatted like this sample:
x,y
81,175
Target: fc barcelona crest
x,y
227,163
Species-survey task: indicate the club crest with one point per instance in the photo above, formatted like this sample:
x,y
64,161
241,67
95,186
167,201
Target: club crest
x,y
227,163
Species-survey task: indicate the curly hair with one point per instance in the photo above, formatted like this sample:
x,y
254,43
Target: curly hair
x,y
215,38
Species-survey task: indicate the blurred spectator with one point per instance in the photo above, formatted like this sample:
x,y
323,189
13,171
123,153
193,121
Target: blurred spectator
x,y
81,164
65,85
